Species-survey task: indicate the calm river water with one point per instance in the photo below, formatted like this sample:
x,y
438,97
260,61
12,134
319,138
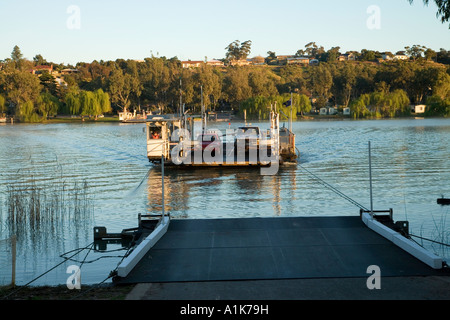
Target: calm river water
x,y
98,175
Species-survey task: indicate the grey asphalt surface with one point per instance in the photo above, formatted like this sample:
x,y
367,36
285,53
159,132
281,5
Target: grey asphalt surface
x,y
391,288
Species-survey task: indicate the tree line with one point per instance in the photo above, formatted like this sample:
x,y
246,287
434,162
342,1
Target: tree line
x,y
158,83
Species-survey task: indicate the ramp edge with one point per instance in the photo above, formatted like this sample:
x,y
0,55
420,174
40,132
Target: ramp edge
x,y
138,253
406,244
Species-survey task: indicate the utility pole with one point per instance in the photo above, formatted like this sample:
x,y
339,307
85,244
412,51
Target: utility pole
x,y
181,98
370,179
290,118
162,186
203,110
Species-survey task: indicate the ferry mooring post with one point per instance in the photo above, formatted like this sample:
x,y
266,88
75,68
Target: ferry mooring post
x,y
370,180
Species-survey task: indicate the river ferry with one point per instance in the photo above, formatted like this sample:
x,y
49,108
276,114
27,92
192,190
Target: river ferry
x,y
172,139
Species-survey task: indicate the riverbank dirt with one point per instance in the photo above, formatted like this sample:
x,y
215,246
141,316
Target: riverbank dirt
x,y
103,292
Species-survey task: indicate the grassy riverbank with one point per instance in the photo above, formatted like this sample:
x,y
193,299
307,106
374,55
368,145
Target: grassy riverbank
x,y
78,119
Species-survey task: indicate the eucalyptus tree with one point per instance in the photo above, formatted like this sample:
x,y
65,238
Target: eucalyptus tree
x,y
312,50
332,54
292,79
344,81
415,52
39,60
319,84
238,51
443,9
236,86
209,81
21,87
160,79
122,86
263,82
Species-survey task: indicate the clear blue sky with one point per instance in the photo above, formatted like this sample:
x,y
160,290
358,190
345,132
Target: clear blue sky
x,y
134,29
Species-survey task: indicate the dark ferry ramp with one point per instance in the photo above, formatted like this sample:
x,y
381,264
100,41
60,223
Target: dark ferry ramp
x,y
272,248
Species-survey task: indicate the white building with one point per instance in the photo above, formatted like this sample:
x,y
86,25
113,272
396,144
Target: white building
x,y
418,109
400,57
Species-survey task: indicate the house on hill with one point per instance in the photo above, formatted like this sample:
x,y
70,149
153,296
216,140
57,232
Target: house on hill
x,y
191,64
298,60
258,61
240,63
41,69
347,57
400,57
215,63
282,59
68,71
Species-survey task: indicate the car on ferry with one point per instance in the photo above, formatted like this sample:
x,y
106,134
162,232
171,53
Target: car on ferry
x,y
206,139
249,135
210,140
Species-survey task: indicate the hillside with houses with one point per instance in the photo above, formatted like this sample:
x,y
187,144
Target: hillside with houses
x,y
322,82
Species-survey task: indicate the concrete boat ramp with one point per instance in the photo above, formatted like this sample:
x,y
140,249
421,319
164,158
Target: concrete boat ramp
x,y
242,258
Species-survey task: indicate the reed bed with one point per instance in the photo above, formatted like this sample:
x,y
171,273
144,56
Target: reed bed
x,y
47,213
47,209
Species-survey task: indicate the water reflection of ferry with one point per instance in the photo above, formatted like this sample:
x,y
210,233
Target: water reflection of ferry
x,y
172,138
200,193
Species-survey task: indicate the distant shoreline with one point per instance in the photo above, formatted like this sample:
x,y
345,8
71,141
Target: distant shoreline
x,y
115,119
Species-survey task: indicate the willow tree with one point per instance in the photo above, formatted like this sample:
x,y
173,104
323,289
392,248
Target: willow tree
x,y
441,87
358,107
73,102
395,103
2,104
102,105
26,112
47,105
303,104
381,104
87,103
